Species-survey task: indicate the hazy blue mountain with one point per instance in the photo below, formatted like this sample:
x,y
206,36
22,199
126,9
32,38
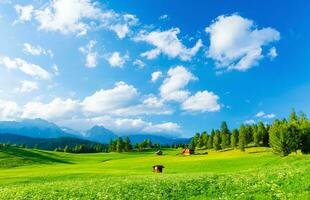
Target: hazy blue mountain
x,y
36,128
43,143
100,134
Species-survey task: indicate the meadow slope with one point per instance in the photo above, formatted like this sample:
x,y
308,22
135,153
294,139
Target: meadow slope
x,y
254,174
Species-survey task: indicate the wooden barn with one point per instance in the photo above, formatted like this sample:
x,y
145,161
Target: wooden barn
x,y
188,151
158,168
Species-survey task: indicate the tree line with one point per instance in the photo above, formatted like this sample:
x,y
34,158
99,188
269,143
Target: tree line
x,y
283,136
124,145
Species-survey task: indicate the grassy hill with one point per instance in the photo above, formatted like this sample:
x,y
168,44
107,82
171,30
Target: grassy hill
x,y
231,174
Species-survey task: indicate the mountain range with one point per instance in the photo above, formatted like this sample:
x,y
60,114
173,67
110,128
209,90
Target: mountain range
x,y
39,128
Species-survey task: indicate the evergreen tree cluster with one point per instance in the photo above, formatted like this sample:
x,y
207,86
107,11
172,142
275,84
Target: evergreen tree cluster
x,y
283,136
124,145
82,148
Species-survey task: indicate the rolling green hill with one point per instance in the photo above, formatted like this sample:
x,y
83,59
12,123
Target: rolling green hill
x,y
230,174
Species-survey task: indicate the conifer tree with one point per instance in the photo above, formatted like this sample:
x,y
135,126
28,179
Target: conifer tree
x,y
234,138
242,137
217,140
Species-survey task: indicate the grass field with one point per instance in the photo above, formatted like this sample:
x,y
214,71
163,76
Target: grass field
x,y
254,174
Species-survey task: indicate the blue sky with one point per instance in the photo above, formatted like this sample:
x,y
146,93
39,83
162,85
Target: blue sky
x,y
158,67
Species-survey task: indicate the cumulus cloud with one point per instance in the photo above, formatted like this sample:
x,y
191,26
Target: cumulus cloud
x,y
236,43
80,16
122,28
28,86
272,53
168,43
116,60
202,101
27,68
68,16
122,95
136,125
91,56
149,106
155,76
250,121
139,63
8,110
262,114
173,86
24,13
56,109
37,50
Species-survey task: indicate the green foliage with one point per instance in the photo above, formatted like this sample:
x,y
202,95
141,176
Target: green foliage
x,y
282,138
217,140
224,135
234,138
242,138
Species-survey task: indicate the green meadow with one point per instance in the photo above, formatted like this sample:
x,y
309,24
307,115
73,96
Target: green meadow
x,y
230,174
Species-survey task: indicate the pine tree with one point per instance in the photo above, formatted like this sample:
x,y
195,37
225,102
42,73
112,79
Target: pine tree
x,y
119,145
304,134
217,140
127,145
242,137
210,140
224,135
281,138
66,149
234,138
205,138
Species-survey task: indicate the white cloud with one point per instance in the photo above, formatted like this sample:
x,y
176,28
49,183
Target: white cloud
x,y
28,86
152,54
91,56
122,28
116,60
156,75
55,70
168,43
149,106
173,86
272,53
236,43
37,50
202,101
80,16
28,68
250,121
8,110
68,16
136,125
139,63
164,127
262,114
56,109
24,12
163,17
121,96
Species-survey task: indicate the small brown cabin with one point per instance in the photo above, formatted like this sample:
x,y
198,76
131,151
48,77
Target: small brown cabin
x,y
158,168
188,151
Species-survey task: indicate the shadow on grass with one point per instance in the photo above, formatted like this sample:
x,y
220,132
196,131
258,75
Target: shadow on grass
x,y
32,155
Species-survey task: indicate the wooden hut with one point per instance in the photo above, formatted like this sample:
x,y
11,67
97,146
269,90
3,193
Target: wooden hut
x,y
188,151
159,153
158,168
